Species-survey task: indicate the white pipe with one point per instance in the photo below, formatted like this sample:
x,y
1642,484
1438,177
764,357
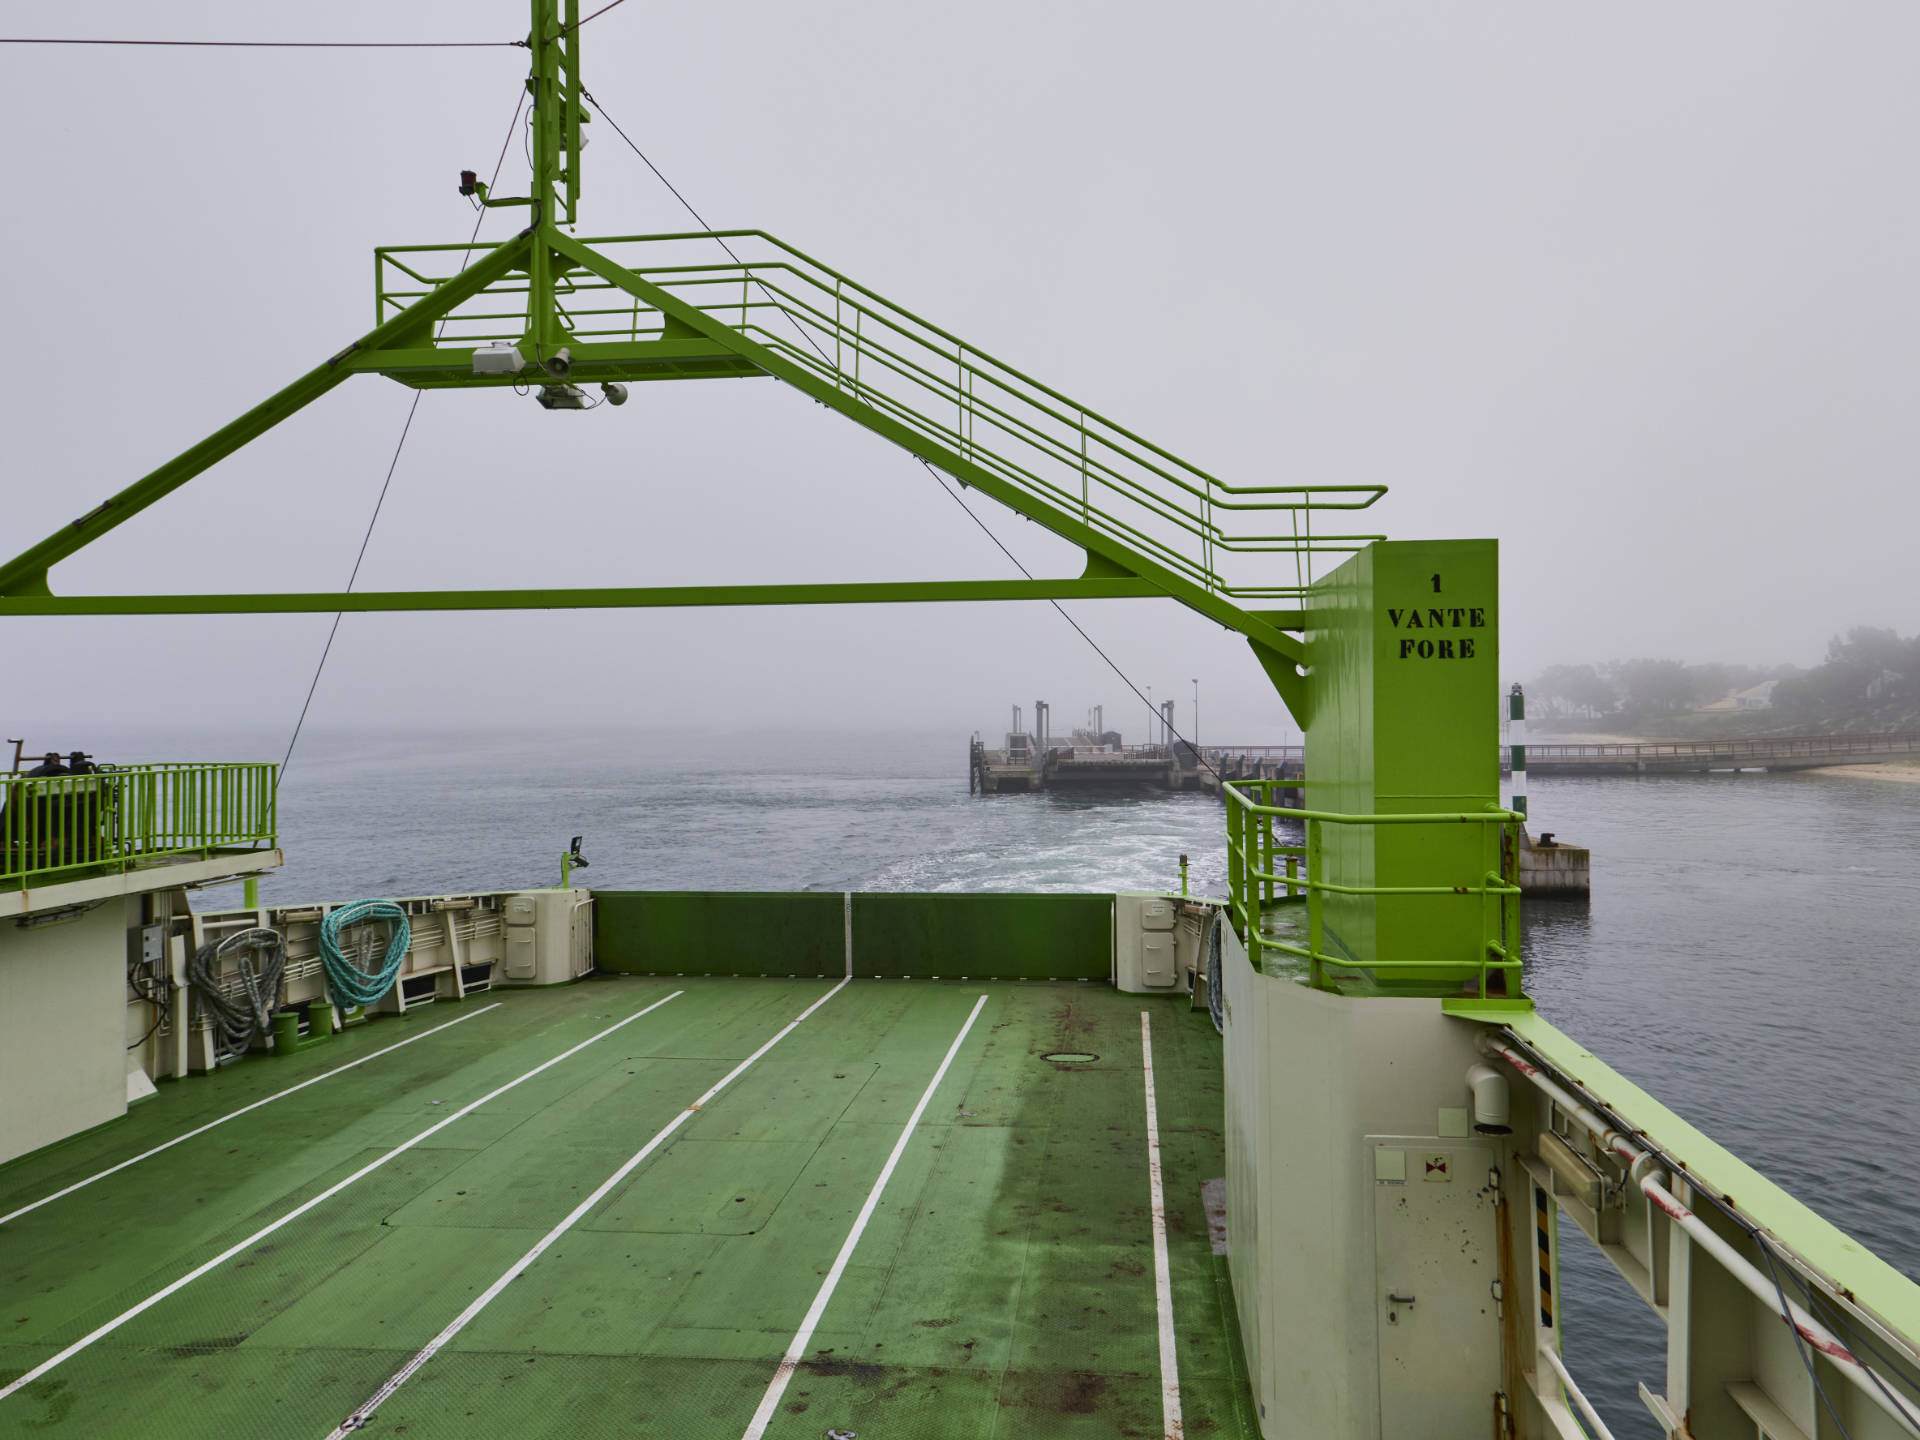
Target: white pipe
x,y
1649,1178
1600,1430
1488,1087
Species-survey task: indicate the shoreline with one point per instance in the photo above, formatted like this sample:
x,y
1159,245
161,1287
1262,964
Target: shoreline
x,y
1896,772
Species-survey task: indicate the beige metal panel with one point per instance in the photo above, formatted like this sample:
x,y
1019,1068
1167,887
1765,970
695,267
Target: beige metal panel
x,y
44,898
63,1065
1145,949
1435,1263
521,915
1309,1076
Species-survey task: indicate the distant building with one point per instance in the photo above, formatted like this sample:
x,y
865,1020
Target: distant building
x,y
1886,683
1760,697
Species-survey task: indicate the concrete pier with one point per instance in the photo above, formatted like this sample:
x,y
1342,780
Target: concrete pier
x,y
1552,871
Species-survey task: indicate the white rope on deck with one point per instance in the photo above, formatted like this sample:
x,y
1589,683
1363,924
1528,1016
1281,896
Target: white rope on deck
x,y
803,1337
236,1114
406,1372
294,1214
1162,1281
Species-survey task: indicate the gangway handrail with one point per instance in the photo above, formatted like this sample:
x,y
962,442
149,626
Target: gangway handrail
x,y
912,373
1256,887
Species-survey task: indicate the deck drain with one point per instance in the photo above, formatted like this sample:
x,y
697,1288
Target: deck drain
x,y
1070,1057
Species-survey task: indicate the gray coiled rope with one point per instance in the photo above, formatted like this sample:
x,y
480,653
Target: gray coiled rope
x,y
238,1021
1210,957
359,983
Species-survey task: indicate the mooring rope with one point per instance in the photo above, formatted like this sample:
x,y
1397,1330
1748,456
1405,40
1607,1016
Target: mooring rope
x,y
355,981
238,1022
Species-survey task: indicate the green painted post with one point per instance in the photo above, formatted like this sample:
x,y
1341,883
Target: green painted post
x,y
1315,873
253,892
1236,882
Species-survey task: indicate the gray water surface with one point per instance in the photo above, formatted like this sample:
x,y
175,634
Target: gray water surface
x,y
1747,955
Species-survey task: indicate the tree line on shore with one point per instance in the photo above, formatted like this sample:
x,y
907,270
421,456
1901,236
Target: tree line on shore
x,y
1870,679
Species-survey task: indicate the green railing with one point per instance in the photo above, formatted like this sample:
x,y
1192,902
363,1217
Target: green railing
x,y
1267,874
920,376
62,827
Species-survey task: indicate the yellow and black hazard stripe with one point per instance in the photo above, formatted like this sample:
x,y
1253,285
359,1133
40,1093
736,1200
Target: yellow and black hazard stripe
x,y
1543,1224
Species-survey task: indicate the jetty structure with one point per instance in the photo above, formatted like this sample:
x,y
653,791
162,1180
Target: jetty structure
x,y
1096,759
1699,757
1303,1161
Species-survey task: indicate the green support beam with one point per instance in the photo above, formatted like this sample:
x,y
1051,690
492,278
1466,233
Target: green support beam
x,y
535,274
1214,607
26,573
885,592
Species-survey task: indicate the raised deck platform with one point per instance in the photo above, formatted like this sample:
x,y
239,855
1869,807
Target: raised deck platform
x,y
1004,1286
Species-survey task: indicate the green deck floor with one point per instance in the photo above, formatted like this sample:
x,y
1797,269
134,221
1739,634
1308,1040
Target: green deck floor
x,y
1004,1287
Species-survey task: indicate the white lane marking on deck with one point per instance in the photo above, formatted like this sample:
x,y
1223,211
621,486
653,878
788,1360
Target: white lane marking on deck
x,y
235,1115
847,913
358,1419
301,1209
777,1387
1162,1283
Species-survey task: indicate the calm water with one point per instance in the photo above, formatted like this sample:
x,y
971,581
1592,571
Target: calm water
x,y
1747,955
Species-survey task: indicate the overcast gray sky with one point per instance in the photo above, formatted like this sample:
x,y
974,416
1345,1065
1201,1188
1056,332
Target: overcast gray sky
x,y
1630,289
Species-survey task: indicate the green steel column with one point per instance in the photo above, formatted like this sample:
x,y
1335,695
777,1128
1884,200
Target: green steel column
x,y
1316,873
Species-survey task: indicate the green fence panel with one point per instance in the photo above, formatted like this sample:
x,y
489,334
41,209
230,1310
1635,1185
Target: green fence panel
x,y
895,936
983,936
720,932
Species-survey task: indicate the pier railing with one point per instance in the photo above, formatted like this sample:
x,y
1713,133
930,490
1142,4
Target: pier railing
x,y
62,827
1758,751
1267,874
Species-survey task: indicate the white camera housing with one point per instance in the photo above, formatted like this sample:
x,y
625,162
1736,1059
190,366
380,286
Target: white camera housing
x,y
498,359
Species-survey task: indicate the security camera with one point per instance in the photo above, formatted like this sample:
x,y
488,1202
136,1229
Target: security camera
x,y
562,397
615,392
559,364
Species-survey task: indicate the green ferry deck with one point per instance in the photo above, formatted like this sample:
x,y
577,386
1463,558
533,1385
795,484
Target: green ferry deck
x,y
1003,1287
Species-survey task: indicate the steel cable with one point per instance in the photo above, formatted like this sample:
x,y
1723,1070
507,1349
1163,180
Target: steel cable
x,y
394,463
930,468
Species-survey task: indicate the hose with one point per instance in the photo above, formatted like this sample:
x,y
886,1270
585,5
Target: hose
x,y
1216,996
237,1022
354,981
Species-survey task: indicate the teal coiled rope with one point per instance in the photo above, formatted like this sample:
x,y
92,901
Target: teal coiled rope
x,y
356,983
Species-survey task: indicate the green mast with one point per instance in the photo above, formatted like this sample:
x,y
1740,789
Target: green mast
x,y
547,311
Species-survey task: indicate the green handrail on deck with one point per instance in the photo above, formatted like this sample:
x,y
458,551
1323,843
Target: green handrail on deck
x,y
1255,888
66,827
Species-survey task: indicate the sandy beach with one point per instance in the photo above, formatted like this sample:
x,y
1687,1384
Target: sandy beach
x,y
1898,772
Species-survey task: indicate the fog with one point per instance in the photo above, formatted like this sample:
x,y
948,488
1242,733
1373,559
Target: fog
x,y
1628,289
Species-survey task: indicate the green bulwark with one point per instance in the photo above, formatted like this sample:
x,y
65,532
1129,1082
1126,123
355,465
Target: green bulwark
x,y
1404,653
894,935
